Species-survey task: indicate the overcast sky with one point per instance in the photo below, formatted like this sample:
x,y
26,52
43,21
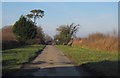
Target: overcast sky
x,y
92,16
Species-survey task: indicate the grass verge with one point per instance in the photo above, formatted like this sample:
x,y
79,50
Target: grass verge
x,y
14,58
101,62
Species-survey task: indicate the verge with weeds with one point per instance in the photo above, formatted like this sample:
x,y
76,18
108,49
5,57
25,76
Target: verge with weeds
x,y
102,62
15,58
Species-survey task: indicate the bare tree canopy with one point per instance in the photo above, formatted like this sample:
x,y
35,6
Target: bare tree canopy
x,y
66,33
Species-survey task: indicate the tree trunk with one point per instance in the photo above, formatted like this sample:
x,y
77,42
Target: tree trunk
x,y
70,43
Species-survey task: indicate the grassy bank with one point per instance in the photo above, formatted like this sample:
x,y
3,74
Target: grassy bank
x,y
14,58
102,62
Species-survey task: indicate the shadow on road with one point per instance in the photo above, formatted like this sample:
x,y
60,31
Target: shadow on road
x,y
109,68
38,62
103,68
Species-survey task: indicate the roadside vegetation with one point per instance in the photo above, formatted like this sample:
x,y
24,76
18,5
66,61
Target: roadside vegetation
x,y
66,33
8,38
24,32
102,62
22,41
25,28
98,52
99,41
15,58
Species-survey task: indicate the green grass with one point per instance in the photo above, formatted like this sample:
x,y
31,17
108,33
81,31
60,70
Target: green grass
x,y
14,58
100,61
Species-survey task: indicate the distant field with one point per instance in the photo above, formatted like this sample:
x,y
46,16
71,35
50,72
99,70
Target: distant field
x,y
99,61
14,58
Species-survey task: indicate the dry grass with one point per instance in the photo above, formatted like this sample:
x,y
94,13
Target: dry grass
x,y
99,41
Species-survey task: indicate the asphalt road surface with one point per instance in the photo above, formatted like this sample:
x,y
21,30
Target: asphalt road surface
x,y
52,62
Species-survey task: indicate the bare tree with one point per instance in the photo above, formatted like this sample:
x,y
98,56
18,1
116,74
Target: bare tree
x,y
66,33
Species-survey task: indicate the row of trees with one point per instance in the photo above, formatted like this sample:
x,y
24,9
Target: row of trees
x,y
26,30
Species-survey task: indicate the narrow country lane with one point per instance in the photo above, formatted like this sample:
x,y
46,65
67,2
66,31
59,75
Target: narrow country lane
x,y
52,62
